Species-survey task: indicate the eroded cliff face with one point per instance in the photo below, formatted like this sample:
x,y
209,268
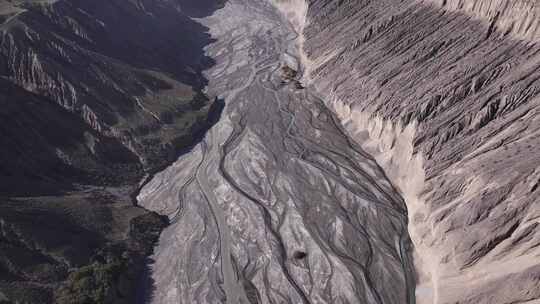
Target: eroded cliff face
x,y
517,19
447,96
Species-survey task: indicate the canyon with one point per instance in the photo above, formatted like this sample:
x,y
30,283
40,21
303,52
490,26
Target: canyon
x,y
270,151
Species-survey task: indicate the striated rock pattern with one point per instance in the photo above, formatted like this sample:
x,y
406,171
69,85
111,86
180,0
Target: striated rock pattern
x,y
468,91
276,205
367,152
517,19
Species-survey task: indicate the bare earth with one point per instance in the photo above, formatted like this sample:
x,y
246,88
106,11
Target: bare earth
x,y
406,171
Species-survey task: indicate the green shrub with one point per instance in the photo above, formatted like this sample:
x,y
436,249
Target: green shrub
x,y
96,283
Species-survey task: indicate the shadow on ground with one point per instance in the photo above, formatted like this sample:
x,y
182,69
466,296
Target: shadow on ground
x,y
70,166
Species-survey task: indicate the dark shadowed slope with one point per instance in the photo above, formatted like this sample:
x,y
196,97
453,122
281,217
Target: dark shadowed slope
x,y
130,71
94,95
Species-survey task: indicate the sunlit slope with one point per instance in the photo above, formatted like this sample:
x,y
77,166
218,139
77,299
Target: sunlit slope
x,y
465,82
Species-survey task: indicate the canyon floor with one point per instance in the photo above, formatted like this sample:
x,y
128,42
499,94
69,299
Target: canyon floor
x,y
276,204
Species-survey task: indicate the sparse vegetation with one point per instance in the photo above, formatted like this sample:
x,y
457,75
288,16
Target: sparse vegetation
x,y
97,283
113,274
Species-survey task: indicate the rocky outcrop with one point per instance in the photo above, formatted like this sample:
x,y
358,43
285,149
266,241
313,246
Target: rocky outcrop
x,y
467,88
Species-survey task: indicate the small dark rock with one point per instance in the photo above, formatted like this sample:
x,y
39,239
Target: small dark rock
x,y
299,255
288,73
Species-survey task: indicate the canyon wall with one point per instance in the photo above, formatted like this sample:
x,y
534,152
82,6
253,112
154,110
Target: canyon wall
x,y
446,93
139,102
93,97
518,19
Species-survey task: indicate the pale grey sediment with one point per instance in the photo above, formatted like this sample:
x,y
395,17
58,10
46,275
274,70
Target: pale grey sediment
x,y
306,215
417,114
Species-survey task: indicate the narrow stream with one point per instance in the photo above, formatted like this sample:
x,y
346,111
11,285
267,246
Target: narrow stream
x,y
233,291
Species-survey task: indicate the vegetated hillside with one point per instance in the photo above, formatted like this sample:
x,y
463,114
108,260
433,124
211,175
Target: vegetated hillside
x,y
94,95
469,80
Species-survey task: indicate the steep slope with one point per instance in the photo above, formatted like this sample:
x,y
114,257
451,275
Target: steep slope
x,y
94,97
519,19
48,148
128,83
463,77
